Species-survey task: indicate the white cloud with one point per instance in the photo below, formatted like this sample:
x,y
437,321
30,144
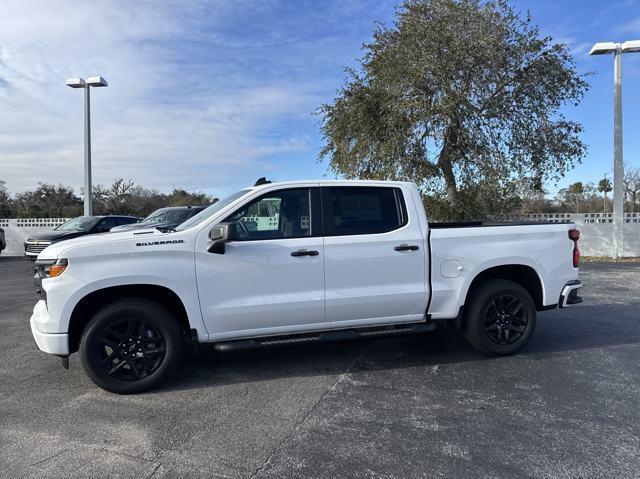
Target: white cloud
x,y
163,121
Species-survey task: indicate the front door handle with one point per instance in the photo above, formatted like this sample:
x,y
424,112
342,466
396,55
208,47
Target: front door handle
x,y
304,252
407,247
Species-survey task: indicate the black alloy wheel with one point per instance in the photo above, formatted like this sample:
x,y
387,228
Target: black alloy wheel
x,y
505,319
131,345
131,349
499,318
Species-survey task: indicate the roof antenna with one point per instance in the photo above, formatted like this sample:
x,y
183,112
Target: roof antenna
x,y
261,181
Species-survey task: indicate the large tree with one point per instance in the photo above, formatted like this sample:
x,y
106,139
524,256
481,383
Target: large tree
x,y
459,96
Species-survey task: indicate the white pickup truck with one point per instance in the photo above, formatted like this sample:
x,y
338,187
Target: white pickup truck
x,y
294,262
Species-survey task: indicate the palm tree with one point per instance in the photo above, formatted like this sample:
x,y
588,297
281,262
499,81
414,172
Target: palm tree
x,y
605,187
575,191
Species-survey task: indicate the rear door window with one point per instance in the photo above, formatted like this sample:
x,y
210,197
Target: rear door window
x,y
363,210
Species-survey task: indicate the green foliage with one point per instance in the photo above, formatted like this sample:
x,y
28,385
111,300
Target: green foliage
x,y
604,186
579,195
462,97
180,197
121,197
576,188
5,201
47,201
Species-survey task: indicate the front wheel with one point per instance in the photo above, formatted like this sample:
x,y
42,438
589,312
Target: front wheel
x,y
130,346
500,318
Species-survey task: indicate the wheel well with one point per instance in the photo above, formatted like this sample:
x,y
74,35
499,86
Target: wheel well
x,y
523,275
93,302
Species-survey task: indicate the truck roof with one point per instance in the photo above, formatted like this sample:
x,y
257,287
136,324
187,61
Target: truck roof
x,y
332,183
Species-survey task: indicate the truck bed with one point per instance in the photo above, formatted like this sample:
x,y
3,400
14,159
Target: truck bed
x,y
476,224
461,249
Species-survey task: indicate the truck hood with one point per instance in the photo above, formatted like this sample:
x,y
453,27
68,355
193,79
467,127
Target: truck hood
x,y
56,249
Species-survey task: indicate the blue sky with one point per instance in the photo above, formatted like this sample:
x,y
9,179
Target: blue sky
x,y
210,95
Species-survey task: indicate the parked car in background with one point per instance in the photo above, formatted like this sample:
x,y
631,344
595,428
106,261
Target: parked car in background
x,y
164,219
80,226
3,241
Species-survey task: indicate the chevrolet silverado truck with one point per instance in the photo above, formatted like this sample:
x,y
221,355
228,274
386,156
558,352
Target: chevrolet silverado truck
x,y
294,262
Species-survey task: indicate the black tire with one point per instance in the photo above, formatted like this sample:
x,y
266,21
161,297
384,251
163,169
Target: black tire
x,y
499,318
131,346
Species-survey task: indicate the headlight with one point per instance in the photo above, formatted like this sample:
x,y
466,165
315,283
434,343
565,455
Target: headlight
x,y
51,268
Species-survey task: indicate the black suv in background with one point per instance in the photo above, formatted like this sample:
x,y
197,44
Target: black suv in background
x,y
80,226
164,219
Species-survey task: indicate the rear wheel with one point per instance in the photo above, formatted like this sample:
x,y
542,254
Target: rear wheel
x,y
131,345
500,318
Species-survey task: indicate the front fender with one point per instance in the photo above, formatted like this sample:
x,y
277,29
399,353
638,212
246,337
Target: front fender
x,y
188,298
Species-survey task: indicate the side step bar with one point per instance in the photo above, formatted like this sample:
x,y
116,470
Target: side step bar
x,y
326,336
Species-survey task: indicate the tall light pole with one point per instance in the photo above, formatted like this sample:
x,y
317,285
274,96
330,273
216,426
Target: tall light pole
x,y
86,85
618,169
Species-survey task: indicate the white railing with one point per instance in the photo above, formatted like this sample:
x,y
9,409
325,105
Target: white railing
x,y
584,218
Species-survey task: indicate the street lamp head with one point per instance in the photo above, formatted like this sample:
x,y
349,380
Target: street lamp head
x,y
603,48
75,83
97,81
631,46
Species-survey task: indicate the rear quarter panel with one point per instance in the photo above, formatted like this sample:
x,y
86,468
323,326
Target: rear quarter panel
x,y
546,248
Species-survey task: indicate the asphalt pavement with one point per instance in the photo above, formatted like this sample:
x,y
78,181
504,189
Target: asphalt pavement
x,y
427,406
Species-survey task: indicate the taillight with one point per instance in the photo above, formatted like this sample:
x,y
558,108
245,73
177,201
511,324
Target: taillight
x,y
574,235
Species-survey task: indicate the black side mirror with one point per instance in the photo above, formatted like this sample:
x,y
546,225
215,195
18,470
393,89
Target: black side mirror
x,y
220,235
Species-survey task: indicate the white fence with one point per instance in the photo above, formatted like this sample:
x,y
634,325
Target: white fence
x,y
596,229
581,218
16,231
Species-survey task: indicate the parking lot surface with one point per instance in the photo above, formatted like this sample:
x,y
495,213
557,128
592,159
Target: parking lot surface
x,y
420,406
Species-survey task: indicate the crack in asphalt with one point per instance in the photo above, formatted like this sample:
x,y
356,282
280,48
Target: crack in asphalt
x,y
298,424
47,458
154,471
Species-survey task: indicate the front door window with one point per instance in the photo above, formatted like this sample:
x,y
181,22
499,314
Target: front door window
x,y
277,215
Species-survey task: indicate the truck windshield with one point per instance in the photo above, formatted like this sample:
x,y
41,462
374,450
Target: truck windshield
x,y
211,210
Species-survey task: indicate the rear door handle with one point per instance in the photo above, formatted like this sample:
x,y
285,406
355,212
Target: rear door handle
x,y
407,247
304,252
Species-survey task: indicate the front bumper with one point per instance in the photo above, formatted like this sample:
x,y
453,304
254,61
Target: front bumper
x,y
52,343
569,294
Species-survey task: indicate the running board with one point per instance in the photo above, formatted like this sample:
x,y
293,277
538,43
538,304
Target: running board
x,y
326,336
